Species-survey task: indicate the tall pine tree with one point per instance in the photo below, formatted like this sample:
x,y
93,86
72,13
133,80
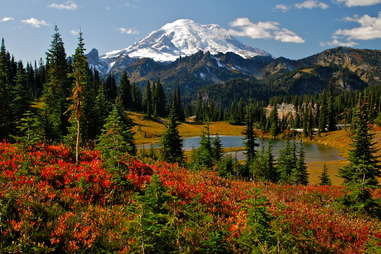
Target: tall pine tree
x,y
250,138
148,103
5,94
125,92
360,176
56,90
274,122
324,177
171,141
115,140
177,104
80,77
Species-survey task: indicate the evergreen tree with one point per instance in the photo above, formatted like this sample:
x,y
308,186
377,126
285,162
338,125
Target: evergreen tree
x,y
136,98
331,120
322,118
258,167
226,167
159,99
250,142
127,123
80,71
20,94
102,109
272,172
148,105
274,122
115,140
30,130
56,90
360,176
203,156
5,94
299,174
217,149
176,101
125,92
111,89
171,141
155,233
286,163
324,178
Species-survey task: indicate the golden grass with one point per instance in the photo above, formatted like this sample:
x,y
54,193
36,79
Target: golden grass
x,y
307,70
315,170
148,131
341,140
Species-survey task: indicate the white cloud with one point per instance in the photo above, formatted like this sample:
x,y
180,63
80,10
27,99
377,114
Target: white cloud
x,y
352,3
75,32
37,23
369,28
131,3
263,30
6,19
338,43
125,30
282,7
69,5
310,4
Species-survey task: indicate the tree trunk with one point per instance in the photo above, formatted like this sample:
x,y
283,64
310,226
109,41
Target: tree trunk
x,y
77,144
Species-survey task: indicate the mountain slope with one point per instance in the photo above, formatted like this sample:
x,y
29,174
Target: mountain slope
x,y
184,37
181,38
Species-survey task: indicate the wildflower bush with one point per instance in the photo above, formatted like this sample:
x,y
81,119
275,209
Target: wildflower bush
x,y
50,204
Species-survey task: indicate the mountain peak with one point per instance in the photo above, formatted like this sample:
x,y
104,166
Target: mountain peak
x,y
185,37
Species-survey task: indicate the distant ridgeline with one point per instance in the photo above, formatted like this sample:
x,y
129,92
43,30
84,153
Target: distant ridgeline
x,y
211,87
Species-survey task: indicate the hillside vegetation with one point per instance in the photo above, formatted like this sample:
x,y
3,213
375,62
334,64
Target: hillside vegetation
x,y
49,204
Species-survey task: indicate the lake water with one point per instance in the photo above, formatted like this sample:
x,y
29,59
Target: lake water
x,y
313,152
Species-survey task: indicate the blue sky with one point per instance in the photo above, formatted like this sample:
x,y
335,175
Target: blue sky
x,y
290,28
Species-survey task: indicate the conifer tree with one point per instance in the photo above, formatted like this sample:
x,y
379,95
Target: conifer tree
x,y
20,94
225,167
80,77
125,92
136,98
115,140
324,178
217,149
176,101
270,164
171,141
299,174
258,167
111,88
331,119
286,163
30,130
360,176
250,142
56,90
159,100
102,108
156,233
127,123
148,100
203,156
274,122
5,94
323,118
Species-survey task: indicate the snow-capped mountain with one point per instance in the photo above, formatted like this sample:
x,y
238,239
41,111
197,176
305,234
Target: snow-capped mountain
x,y
183,37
